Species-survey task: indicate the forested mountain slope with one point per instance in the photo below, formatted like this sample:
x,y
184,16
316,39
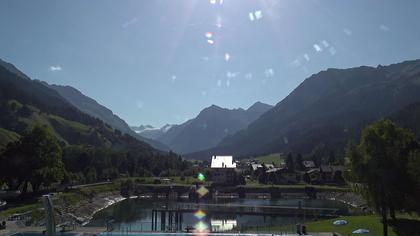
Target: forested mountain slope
x,y
326,110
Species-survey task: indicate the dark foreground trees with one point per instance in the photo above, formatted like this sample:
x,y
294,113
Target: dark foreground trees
x,y
385,167
38,160
34,159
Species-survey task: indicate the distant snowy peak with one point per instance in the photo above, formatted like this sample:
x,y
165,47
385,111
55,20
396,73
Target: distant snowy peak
x,y
151,132
166,127
142,128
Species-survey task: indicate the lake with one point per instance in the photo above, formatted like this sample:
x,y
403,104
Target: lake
x,y
136,214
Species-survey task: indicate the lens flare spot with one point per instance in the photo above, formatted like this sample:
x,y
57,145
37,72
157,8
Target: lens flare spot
x,y
227,57
269,72
202,191
200,214
208,35
201,228
256,15
201,177
251,16
317,48
214,2
332,51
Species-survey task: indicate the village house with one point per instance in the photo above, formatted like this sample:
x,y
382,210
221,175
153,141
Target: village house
x,y
283,176
314,175
256,166
331,173
223,169
308,165
242,167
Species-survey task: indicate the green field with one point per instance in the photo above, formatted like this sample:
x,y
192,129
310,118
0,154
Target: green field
x,y
406,225
7,136
372,223
275,158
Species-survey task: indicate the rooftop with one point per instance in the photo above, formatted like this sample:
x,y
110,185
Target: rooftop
x,y
222,162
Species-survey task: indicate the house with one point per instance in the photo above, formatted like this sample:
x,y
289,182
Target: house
x,y
282,176
331,173
269,166
256,166
308,165
314,175
223,169
242,167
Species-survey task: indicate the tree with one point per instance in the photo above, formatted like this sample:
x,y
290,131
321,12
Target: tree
x,y
379,165
299,162
331,158
35,158
290,162
262,175
413,171
306,178
91,175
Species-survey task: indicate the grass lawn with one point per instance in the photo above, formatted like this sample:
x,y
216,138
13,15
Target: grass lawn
x,y
19,209
370,222
275,158
254,184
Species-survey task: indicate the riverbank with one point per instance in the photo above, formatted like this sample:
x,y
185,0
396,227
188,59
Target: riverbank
x,y
349,198
81,203
83,211
77,205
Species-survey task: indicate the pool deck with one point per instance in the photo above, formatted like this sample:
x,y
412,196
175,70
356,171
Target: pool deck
x,y
13,227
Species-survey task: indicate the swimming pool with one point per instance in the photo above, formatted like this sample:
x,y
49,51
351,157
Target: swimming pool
x,y
186,234
41,234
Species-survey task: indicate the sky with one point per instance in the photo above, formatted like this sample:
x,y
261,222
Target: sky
x,y
163,61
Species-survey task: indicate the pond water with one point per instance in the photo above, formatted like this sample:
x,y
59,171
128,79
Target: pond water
x,y
136,214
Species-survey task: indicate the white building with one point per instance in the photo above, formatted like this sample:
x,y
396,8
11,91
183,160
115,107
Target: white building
x,y
223,169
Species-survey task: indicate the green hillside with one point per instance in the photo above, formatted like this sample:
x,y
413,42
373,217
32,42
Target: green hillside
x,y
326,111
90,149
7,136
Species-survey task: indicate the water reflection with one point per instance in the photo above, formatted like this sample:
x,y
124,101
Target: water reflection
x,y
223,225
136,215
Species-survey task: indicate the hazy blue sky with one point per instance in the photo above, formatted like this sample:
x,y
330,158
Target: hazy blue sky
x,y
153,62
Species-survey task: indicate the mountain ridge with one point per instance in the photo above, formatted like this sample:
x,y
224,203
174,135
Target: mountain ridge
x,y
210,126
90,106
317,112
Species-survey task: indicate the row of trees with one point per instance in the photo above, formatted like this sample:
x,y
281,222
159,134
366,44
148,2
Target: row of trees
x,y
38,160
385,168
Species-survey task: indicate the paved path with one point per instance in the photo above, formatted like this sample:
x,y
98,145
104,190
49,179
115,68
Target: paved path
x,y
13,227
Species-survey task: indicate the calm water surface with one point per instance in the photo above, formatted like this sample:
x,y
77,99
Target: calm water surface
x,y
136,214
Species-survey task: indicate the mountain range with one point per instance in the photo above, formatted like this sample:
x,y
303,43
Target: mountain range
x,y
206,130
25,102
327,110
151,132
323,113
93,108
